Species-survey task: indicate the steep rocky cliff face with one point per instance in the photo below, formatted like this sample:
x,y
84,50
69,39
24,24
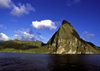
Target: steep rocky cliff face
x,y
67,41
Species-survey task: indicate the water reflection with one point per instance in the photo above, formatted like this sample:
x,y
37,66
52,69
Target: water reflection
x,y
43,62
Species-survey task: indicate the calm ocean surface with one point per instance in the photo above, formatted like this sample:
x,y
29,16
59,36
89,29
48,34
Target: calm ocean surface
x,y
46,62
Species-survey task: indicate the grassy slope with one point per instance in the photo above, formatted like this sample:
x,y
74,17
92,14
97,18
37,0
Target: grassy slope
x,y
24,47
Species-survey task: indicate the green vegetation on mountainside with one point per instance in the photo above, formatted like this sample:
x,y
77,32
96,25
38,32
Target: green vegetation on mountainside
x,y
65,41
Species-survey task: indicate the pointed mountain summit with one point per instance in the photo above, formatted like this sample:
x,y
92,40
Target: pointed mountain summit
x,y
67,41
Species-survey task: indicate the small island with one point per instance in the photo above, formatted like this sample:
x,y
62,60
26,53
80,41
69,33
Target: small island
x,y
65,41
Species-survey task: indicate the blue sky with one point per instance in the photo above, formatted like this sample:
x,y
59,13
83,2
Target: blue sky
x,y
25,19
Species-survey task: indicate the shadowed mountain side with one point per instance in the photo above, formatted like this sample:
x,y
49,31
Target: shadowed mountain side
x,y
67,41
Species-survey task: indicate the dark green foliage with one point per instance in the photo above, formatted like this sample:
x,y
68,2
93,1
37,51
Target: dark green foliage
x,y
20,45
24,47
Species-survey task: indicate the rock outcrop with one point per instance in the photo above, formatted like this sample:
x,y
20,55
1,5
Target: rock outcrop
x,y
67,41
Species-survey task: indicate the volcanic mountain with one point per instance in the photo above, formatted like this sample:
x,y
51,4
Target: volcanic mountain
x,y
67,41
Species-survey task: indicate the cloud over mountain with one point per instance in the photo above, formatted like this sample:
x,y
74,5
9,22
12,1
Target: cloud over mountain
x,y
88,35
44,24
26,35
3,37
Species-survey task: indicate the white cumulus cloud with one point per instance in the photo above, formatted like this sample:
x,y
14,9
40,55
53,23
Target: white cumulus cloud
x,y
5,3
26,35
21,9
44,24
3,37
17,10
42,38
88,35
